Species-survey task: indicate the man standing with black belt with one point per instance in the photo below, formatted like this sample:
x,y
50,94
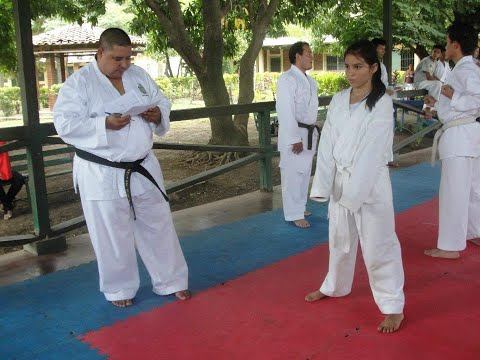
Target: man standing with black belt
x,y
297,107
118,176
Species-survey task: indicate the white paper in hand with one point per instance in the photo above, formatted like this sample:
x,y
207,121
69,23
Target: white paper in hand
x,y
128,104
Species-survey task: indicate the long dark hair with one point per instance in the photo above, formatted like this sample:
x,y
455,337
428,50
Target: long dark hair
x,y
367,51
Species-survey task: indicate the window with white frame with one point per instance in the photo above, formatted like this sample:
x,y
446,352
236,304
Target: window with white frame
x,y
406,58
334,63
274,60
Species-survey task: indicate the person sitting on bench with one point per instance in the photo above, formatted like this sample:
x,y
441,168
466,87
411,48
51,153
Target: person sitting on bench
x,y
16,181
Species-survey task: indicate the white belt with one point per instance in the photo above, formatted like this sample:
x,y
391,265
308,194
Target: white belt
x,y
448,125
342,228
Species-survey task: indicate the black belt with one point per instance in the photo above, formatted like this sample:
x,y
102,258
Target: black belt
x,y
310,129
129,166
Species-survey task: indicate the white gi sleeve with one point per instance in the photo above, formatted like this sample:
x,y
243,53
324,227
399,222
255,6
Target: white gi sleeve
x,y
163,104
72,120
285,106
370,156
469,99
325,170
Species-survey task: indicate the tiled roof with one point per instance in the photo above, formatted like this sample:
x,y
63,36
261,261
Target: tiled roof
x,y
75,35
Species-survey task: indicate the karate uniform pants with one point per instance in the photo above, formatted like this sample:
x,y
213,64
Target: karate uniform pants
x,y
459,203
115,235
381,254
295,190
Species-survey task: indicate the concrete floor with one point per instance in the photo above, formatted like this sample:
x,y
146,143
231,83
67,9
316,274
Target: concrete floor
x,y
21,265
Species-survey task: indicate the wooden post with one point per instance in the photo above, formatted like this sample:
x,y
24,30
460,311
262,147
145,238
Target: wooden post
x,y
34,136
265,140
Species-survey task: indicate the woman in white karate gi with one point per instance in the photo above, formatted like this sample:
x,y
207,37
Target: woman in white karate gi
x,y
355,147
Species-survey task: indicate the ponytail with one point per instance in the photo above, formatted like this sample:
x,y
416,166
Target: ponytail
x,y
378,88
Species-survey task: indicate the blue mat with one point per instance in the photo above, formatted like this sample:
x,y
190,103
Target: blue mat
x,y
41,317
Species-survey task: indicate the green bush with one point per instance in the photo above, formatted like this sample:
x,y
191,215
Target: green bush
x,y
10,102
398,77
265,85
55,88
43,97
330,83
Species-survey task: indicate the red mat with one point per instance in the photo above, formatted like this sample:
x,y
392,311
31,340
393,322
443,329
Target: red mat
x,y
262,315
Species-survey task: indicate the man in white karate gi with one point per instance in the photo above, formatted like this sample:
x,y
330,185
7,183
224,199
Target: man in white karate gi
x,y
424,77
118,176
459,147
297,107
381,46
443,67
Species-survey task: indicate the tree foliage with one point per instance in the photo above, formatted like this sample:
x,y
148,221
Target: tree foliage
x,y
417,25
73,11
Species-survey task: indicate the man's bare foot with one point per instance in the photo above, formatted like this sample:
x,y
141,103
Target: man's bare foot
x,y
475,241
302,223
437,253
183,294
391,323
122,303
315,296
307,213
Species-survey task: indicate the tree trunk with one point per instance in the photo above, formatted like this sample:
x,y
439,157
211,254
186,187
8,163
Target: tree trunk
x,y
420,51
224,131
168,69
247,63
207,64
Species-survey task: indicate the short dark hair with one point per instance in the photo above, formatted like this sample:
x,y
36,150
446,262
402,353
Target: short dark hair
x,y
114,36
465,35
439,47
378,41
295,49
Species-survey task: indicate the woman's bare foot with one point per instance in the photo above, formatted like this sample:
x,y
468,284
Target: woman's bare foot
x,y
183,294
475,241
315,296
302,223
307,213
437,253
391,323
122,303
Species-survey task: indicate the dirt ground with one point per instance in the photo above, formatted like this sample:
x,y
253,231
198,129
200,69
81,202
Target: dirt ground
x,y
64,204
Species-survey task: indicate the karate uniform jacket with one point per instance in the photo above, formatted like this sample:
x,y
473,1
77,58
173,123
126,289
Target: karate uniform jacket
x,y
79,117
353,152
297,101
463,140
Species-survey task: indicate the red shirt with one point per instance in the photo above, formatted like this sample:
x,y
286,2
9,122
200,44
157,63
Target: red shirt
x,y
5,167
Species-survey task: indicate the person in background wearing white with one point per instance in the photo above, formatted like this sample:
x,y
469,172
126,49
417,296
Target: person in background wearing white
x,y
425,73
297,108
459,147
381,47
